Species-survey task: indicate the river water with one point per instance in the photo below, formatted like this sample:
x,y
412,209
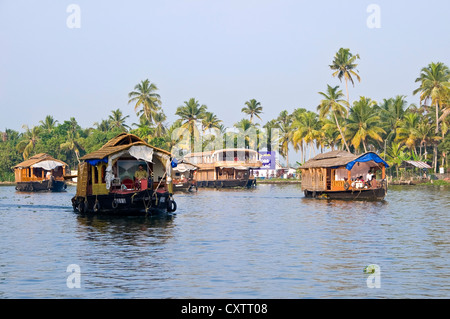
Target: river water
x,y
268,242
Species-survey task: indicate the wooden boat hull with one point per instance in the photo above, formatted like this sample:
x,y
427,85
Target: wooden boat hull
x,y
42,186
185,187
230,183
129,204
363,194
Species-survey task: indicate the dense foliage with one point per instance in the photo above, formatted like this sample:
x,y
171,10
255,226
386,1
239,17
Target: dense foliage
x,y
392,127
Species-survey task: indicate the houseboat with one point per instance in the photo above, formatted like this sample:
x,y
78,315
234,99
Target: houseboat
x,y
183,177
225,167
343,175
40,172
126,176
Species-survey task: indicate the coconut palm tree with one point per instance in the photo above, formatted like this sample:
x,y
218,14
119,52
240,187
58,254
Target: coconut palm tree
x,y
306,129
334,105
30,138
49,123
252,108
407,131
391,112
210,121
145,96
363,123
117,120
191,113
73,143
344,66
395,155
434,86
160,124
284,124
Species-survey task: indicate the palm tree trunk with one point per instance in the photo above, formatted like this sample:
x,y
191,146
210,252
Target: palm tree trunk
x,y
340,132
346,89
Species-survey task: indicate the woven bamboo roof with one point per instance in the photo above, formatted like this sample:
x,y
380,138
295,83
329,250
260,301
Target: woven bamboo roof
x,y
36,159
119,143
330,159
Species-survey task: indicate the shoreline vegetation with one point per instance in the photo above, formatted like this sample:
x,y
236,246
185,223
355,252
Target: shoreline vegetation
x,y
394,128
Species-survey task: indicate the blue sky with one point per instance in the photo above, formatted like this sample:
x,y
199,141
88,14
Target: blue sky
x,y
222,53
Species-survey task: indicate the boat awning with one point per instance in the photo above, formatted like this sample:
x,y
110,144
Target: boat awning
x,y
367,157
416,164
47,165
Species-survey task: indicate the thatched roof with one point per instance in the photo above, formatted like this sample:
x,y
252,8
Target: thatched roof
x,y
340,158
330,159
36,159
119,143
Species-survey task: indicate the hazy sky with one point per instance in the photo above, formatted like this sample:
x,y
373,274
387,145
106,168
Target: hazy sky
x,y
222,53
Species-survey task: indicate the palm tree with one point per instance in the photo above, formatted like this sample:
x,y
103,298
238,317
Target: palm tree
x,y
190,114
252,108
160,124
396,155
332,103
73,143
103,126
117,120
30,138
210,121
144,96
284,122
407,131
363,123
391,112
345,66
244,127
49,123
435,87
306,128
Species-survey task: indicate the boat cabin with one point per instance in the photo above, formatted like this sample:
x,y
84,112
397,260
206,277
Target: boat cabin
x,y
125,166
338,173
225,167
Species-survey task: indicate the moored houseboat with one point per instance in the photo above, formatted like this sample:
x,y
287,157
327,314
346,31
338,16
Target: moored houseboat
x,y
40,172
343,175
126,176
183,177
225,168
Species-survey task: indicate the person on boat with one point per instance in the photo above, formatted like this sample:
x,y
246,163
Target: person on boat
x,y
369,178
139,175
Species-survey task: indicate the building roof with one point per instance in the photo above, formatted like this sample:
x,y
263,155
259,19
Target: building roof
x,y
36,159
416,164
119,143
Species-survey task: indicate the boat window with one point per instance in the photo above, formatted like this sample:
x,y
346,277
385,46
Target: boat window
x,y
103,174
95,175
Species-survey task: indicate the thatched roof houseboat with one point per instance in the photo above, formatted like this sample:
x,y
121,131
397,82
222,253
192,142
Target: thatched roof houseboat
x,y
125,176
40,172
343,175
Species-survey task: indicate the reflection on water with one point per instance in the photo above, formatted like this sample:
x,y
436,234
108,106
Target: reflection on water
x,y
267,242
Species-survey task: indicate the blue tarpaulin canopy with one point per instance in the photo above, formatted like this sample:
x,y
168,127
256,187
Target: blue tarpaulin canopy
x,y
366,158
94,162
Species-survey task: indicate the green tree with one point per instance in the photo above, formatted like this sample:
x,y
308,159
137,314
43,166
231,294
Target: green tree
x,y
29,140
144,96
191,113
344,66
252,108
49,123
333,104
363,123
117,120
